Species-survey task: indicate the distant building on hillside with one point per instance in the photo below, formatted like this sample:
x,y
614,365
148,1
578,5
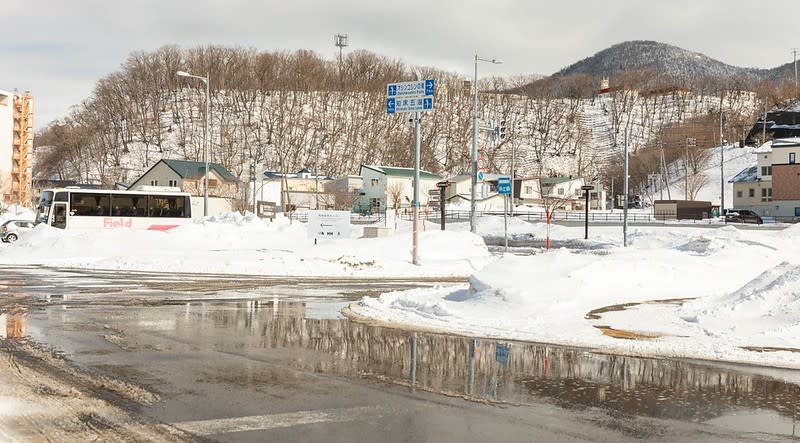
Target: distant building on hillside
x,y
780,124
16,147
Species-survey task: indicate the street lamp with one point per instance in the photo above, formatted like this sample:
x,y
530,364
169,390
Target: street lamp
x,y
474,155
205,137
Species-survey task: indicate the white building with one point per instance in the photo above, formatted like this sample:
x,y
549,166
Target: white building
x,y
386,187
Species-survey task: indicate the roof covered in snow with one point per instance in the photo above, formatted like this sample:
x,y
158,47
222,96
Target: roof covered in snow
x,y
749,174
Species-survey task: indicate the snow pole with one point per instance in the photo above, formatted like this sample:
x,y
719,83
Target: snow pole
x,y
547,216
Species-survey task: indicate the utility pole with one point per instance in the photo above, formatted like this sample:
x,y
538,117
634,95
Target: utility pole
x,y
625,195
764,123
721,160
513,137
689,142
794,52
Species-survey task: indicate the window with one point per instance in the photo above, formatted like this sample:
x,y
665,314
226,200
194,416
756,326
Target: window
x,y
374,182
766,170
529,190
153,182
90,204
128,205
212,183
766,194
173,183
375,203
791,158
752,193
738,194
560,191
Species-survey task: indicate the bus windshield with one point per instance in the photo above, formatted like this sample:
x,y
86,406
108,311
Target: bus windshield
x,y
43,210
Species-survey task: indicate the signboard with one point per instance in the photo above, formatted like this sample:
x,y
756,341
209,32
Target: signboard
x,y
418,88
413,104
587,187
328,224
415,96
504,185
265,209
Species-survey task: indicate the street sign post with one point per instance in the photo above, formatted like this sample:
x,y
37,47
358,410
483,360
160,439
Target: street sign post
x,y
504,189
415,96
586,189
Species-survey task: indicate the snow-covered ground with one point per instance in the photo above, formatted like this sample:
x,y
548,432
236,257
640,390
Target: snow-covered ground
x,y
743,283
744,286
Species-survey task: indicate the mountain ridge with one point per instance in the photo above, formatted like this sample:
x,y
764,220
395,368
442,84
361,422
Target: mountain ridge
x,y
665,60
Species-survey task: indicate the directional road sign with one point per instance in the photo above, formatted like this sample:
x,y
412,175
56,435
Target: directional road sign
x,y
413,96
504,185
417,88
413,104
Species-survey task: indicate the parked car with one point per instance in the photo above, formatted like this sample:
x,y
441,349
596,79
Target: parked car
x,y
12,229
742,216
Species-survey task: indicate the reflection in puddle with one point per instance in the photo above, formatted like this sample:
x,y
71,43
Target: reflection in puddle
x,y
13,326
489,370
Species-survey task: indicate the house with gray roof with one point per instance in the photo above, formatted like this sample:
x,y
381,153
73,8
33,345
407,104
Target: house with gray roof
x,y
188,176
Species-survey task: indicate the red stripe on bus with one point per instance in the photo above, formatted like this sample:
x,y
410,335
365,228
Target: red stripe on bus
x,y
161,227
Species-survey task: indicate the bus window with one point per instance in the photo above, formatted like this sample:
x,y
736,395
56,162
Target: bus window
x,y
159,206
90,204
43,211
128,205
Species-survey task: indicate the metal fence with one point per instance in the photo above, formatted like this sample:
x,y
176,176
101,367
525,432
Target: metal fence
x,y
541,217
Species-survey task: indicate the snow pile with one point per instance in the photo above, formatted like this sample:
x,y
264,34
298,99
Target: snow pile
x,y
768,305
236,244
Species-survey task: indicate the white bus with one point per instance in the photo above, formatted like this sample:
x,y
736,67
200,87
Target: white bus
x,y
75,208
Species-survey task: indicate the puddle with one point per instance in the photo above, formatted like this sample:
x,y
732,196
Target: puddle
x,y
628,335
278,324
313,337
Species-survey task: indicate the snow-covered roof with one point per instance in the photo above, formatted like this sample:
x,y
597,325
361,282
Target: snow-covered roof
x,y
786,142
749,174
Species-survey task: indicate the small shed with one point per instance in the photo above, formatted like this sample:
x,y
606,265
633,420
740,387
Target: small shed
x,y
681,209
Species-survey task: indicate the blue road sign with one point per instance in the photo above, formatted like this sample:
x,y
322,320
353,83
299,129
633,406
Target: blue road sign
x,y
504,185
430,86
416,88
412,104
480,176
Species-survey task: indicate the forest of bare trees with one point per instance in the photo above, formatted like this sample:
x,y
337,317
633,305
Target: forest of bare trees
x,y
289,110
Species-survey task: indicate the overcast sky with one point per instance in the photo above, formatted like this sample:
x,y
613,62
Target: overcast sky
x,y
58,49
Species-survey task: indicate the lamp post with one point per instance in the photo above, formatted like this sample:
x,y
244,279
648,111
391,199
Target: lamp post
x,y
474,154
205,136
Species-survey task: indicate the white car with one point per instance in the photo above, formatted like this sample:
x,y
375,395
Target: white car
x,y
12,229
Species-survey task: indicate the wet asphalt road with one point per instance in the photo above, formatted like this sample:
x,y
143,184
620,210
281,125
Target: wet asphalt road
x,y
239,359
